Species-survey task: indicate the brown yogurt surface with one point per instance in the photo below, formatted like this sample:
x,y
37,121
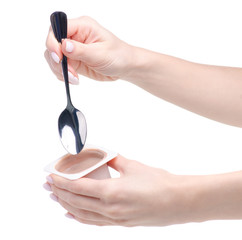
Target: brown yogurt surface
x,y
80,162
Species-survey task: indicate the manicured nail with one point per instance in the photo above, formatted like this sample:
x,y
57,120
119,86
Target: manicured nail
x,y
47,187
49,179
72,79
55,57
69,46
68,215
53,197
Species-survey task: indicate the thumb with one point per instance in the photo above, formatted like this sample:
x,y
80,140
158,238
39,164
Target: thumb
x,y
119,163
78,51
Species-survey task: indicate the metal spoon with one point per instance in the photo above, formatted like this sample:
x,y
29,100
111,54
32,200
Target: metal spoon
x,y
72,123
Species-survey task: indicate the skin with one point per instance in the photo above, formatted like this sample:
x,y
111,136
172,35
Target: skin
x,y
145,196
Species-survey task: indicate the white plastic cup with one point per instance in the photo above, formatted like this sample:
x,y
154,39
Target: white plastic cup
x,y
91,162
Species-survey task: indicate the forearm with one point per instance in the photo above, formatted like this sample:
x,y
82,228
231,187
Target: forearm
x,y
211,91
217,197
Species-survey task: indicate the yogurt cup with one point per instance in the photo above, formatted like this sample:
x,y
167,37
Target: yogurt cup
x,y
91,162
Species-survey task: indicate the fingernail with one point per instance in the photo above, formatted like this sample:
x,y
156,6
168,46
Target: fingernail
x,y
72,79
55,57
49,179
47,187
69,46
53,197
68,215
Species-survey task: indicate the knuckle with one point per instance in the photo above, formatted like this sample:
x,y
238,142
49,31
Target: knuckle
x,y
74,187
111,195
132,164
116,212
114,195
86,18
82,214
47,42
72,200
113,212
61,182
87,21
87,215
63,203
54,189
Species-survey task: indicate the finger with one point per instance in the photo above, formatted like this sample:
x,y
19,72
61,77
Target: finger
x,y
85,38
84,214
53,65
80,51
119,163
87,26
57,70
53,46
78,201
83,186
89,222
53,69
84,29
87,71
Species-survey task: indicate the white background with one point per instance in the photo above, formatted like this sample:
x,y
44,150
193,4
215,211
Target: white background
x,y
120,116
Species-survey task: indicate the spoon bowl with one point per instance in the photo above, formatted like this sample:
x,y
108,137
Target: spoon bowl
x,y
71,123
72,130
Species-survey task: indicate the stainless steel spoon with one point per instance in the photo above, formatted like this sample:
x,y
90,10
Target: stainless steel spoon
x,y
72,123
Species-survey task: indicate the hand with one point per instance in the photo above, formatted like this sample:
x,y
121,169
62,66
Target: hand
x,y
142,196
91,51
146,196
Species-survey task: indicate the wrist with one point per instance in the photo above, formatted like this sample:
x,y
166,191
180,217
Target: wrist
x,y
184,199
213,197
138,64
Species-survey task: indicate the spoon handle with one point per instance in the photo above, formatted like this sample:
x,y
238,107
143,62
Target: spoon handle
x,y
59,25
